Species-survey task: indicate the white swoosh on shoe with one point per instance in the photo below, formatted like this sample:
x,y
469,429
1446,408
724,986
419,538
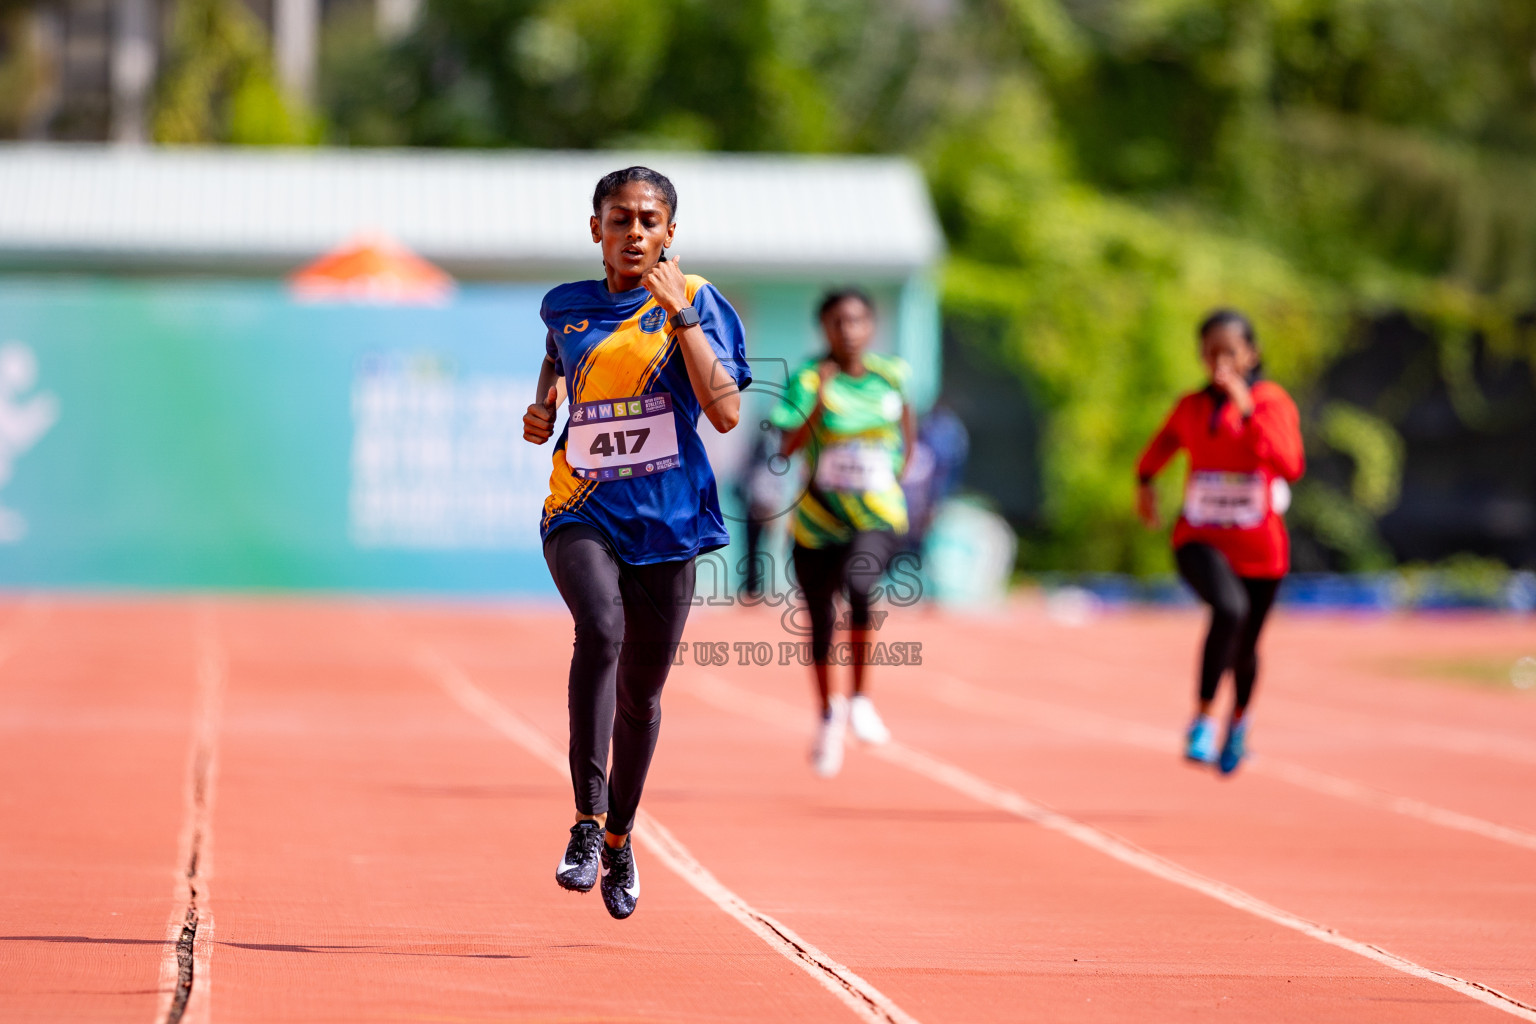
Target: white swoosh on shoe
x,y
635,892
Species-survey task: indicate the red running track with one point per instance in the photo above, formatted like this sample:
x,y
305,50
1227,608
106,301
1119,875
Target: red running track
x,y
362,804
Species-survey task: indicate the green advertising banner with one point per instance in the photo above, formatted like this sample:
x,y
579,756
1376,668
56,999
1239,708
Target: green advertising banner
x,y
197,434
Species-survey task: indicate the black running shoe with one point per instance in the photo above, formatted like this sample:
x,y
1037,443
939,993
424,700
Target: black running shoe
x,y
578,867
621,880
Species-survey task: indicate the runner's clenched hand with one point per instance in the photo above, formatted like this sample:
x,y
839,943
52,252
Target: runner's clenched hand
x,y
1229,380
539,420
666,282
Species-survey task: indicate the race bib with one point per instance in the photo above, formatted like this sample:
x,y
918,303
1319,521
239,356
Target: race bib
x,y
622,438
854,466
1238,500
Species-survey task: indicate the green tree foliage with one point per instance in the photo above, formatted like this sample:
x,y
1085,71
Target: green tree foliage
x,y
800,75
1106,171
25,75
219,86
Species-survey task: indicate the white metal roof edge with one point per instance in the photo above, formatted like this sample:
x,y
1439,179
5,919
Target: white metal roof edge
x,y
100,204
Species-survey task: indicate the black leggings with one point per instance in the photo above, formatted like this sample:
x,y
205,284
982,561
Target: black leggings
x,y
629,619
854,568
1239,605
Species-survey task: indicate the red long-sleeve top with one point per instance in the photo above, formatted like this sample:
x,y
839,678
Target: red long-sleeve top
x,y
1227,449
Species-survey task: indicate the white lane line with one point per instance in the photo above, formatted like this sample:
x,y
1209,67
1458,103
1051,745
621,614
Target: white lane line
x,y
186,965
866,1001
729,697
967,696
1451,739
1348,789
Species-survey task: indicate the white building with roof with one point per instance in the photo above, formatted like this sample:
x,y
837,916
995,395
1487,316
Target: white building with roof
x,y
770,229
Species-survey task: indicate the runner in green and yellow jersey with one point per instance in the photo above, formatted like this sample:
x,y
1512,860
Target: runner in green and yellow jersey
x,y
849,412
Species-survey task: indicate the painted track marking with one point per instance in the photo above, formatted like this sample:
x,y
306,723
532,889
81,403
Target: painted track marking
x,y
866,1001
1448,738
1452,739
186,966
967,696
729,697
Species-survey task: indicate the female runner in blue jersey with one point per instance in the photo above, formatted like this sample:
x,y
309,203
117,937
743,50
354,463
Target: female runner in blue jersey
x,y
632,499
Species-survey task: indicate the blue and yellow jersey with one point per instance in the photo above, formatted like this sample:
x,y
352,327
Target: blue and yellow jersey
x,y
610,346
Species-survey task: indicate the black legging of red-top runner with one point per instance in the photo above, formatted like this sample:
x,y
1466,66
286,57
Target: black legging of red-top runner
x,y
1239,606
629,620
854,569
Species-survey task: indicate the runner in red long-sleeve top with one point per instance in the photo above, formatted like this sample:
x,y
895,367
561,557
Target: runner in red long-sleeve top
x,y
1243,437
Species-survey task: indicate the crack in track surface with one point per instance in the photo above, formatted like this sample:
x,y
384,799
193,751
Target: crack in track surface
x,y
186,941
187,959
862,997
184,946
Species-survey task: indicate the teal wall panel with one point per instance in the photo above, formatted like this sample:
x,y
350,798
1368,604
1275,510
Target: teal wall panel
x,y
212,434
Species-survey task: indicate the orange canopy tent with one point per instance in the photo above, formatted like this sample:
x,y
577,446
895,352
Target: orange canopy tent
x,y
371,268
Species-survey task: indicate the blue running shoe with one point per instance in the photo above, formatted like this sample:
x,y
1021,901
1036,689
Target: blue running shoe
x,y
1200,745
1233,751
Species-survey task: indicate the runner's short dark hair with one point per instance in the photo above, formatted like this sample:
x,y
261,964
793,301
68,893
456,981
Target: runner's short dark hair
x,y
611,182
836,295
1221,318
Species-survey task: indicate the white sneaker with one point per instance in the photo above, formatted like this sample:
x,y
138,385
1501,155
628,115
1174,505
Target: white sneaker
x,y
827,752
865,721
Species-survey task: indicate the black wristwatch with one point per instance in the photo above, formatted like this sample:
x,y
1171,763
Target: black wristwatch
x,y
685,317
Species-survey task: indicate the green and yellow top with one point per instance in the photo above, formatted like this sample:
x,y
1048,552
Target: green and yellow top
x,y
854,453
